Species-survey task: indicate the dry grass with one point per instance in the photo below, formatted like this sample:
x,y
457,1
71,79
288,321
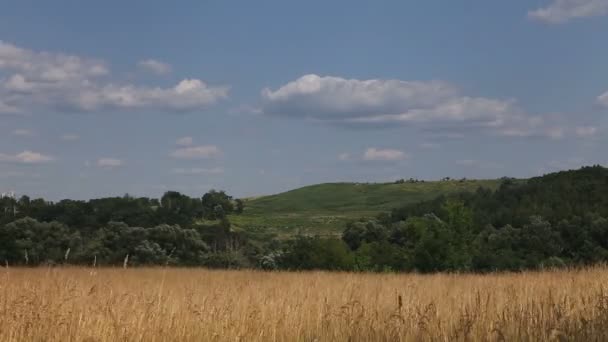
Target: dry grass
x,y
76,304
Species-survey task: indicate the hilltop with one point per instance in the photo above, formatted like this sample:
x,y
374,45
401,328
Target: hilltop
x,y
325,208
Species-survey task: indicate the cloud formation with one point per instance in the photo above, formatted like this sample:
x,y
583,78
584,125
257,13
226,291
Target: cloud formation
x,y
61,82
426,104
344,156
331,97
26,157
561,11
603,99
375,154
109,162
185,141
197,152
154,66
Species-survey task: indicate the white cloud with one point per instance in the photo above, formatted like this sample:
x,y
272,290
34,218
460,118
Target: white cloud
x,y
334,97
109,162
430,105
154,66
561,11
48,66
585,131
344,156
55,81
187,95
70,137
374,154
23,132
185,141
196,152
603,99
198,171
26,157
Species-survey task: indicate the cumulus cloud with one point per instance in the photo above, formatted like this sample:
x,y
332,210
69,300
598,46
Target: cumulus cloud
x,y
198,171
61,82
26,157
197,152
375,154
154,66
334,97
425,104
561,11
109,162
185,141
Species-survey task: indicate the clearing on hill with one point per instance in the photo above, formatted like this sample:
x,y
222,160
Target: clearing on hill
x,y
325,208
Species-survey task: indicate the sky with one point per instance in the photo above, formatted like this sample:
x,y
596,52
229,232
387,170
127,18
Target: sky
x,y
257,97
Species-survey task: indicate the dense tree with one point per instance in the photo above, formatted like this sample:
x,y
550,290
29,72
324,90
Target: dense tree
x,y
240,206
216,204
309,253
556,220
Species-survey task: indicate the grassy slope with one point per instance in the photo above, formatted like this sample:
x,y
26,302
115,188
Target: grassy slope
x,y
324,208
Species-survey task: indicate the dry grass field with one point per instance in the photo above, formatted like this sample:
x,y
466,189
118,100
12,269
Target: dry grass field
x,y
79,304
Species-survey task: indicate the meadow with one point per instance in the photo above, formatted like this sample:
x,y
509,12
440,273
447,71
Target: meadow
x,y
173,304
324,209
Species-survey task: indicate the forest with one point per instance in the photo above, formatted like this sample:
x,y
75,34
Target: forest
x,y
556,220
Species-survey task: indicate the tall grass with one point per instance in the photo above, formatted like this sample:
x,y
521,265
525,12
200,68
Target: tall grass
x,y
164,304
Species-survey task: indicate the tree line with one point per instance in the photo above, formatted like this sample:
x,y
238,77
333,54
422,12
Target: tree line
x,y
173,230
560,219
556,220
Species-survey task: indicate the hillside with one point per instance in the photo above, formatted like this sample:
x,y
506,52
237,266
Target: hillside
x,y
325,208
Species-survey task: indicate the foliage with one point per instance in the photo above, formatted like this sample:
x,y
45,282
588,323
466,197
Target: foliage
x,y
550,221
309,253
325,209
556,220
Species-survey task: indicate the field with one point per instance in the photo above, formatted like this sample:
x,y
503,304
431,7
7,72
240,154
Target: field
x,y
325,208
80,304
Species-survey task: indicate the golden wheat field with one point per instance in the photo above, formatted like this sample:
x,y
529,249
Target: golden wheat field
x,y
165,304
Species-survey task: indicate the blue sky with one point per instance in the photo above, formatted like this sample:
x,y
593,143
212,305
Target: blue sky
x,y
142,97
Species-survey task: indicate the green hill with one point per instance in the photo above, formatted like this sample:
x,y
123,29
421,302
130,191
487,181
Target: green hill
x,y
324,208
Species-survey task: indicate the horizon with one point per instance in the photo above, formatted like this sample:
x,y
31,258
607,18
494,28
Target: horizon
x,y
258,98
15,195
